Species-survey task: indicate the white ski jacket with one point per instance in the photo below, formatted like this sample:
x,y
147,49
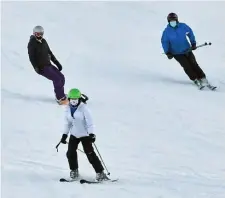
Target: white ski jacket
x,y
81,124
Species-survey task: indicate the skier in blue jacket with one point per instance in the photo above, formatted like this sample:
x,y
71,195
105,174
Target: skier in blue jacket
x,y
176,45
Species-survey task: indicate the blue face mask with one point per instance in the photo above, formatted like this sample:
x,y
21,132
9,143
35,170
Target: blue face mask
x,y
173,23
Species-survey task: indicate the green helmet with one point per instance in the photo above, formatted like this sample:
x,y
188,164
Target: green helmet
x,y
74,93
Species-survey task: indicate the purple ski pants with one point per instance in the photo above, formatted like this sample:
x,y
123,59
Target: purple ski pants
x,y
52,73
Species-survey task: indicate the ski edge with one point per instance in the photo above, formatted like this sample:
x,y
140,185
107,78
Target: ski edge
x,y
67,180
210,87
85,181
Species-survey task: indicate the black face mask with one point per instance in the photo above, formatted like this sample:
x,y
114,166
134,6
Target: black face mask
x,y
38,35
39,38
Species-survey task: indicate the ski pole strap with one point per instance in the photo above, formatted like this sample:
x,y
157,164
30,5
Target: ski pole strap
x,y
57,146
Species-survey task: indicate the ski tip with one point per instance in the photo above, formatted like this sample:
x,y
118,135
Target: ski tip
x,y
63,180
82,181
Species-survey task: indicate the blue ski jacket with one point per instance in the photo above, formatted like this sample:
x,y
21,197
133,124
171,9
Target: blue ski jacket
x,y
174,40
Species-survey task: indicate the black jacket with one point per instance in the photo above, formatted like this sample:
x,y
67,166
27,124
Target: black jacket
x,y
40,54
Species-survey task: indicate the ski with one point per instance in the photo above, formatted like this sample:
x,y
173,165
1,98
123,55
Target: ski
x,y
202,87
211,87
84,181
198,85
68,180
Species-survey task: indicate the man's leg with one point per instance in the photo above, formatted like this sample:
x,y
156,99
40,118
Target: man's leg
x,y
195,66
93,158
184,62
91,155
72,156
58,79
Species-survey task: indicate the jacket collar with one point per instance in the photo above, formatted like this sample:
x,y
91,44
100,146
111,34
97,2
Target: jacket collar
x,y
33,37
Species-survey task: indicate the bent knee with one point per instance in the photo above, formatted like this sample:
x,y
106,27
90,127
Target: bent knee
x,y
59,82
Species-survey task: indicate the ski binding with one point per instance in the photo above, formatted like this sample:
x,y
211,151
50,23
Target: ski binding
x,y
68,180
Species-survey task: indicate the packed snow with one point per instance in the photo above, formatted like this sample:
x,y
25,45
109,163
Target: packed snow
x,y
156,132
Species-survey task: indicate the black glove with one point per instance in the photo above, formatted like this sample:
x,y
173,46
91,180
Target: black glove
x,y
193,46
92,137
84,98
37,70
58,65
169,55
63,139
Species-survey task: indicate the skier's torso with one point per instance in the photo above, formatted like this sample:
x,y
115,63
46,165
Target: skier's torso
x,y
81,124
42,56
177,38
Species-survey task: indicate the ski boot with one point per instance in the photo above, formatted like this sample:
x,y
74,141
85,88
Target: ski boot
x,y
199,84
74,175
62,101
206,83
101,176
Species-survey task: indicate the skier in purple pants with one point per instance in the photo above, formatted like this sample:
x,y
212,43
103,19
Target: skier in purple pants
x,y
40,57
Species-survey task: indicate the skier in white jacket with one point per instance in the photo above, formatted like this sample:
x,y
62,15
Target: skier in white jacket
x,y
79,123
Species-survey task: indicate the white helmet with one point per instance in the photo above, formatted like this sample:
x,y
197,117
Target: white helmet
x,y
38,32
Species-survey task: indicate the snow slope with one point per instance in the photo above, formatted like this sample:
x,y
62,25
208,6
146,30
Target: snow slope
x,y
161,136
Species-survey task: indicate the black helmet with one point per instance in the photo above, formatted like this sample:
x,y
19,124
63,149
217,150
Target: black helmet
x,y
172,17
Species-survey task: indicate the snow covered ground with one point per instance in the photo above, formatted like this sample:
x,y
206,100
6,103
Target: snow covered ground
x,y
161,136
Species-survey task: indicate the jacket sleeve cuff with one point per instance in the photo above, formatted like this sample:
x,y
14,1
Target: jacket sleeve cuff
x,y
90,130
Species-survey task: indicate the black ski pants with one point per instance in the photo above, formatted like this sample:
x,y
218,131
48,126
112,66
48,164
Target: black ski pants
x,y
89,151
190,65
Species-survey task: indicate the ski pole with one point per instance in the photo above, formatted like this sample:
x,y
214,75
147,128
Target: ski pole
x,y
202,45
57,146
108,173
60,143
81,151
